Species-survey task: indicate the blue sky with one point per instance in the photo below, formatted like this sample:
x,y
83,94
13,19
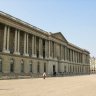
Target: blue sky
x,y
76,19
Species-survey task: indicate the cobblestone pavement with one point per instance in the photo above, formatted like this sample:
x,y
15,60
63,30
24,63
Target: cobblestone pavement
x,y
56,86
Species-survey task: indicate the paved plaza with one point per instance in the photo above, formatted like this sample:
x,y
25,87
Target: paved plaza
x,y
56,86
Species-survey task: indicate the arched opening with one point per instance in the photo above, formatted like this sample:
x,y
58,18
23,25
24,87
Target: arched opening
x,y
12,65
22,65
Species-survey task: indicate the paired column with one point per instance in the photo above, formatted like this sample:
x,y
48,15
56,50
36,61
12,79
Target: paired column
x,y
33,46
73,56
26,44
40,48
6,39
70,55
17,42
50,49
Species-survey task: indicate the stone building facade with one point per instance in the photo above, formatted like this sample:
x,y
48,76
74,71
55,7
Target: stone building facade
x,y
26,49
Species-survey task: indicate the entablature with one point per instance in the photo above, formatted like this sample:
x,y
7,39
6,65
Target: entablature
x,y
16,23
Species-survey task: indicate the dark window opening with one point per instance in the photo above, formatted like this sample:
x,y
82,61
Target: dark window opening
x,y
12,65
12,68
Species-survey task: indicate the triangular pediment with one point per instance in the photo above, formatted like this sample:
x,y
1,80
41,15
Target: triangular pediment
x,y
59,36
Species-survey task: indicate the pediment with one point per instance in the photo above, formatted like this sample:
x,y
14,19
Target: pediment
x,y
59,36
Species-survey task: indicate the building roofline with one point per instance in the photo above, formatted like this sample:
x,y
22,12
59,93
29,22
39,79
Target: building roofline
x,y
23,22
36,28
78,47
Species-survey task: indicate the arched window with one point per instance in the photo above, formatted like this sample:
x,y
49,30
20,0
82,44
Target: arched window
x,y
44,67
22,65
11,65
0,65
38,67
30,65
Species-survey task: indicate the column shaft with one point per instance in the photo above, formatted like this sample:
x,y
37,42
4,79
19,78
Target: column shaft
x,y
46,49
24,43
62,51
40,48
15,43
4,40
8,34
54,50
35,46
32,46
65,53
49,49
73,55
18,42
27,44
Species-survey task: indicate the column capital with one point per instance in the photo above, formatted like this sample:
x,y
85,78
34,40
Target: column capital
x,y
16,43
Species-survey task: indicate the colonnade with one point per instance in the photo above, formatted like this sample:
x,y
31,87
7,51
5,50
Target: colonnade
x,y
50,48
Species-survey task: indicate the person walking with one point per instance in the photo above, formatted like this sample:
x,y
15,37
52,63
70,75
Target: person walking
x,y
44,75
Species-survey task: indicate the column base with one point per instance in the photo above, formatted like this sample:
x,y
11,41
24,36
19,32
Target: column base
x,y
33,55
26,54
46,58
62,60
6,51
41,57
49,57
16,53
